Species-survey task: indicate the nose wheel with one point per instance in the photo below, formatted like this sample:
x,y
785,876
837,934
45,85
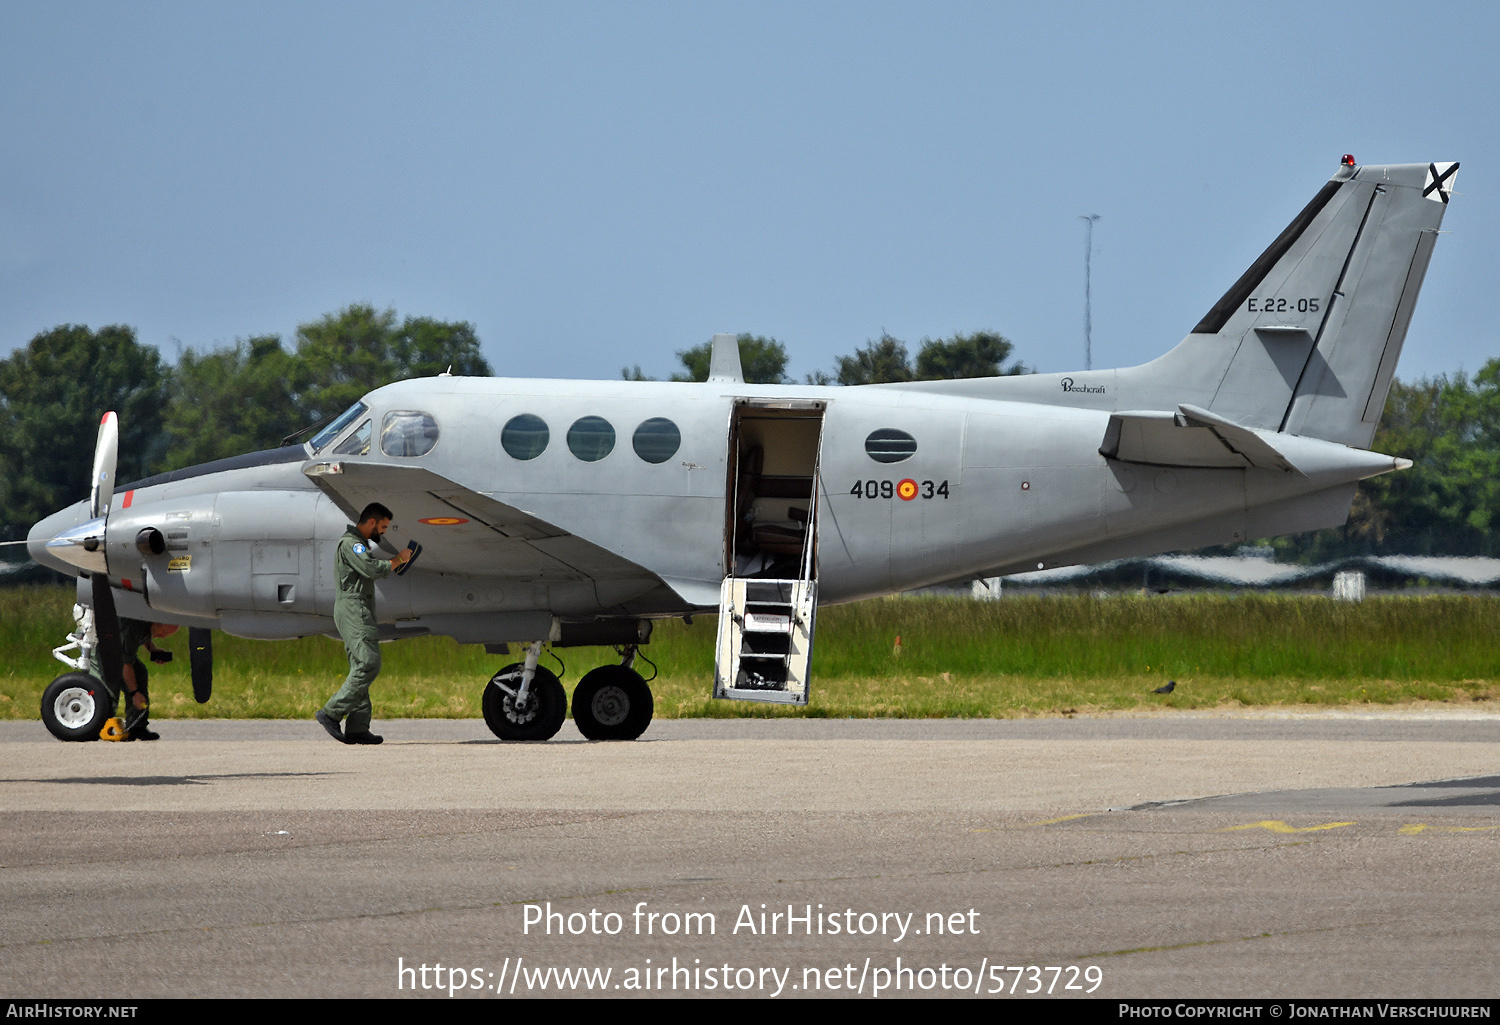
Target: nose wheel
x,y
75,706
612,703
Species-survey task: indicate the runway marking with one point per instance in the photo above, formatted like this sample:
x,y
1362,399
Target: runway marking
x,y
1277,826
1048,822
1415,828
1065,818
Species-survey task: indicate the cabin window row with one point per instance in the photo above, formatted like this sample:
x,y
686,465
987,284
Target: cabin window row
x,y
409,433
591,438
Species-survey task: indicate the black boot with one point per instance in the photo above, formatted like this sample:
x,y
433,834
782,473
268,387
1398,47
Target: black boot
x,y
138,725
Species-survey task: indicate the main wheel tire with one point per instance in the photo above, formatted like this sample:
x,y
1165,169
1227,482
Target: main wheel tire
x,y
75,706
538,719
612,703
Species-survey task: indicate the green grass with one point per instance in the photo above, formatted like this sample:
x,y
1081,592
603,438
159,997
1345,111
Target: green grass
x,y
1020,656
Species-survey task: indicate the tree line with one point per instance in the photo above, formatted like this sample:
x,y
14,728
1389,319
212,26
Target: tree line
x,y
883,361
210,405
1448,503
256,394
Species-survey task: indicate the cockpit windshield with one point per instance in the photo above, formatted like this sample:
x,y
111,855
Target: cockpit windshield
x,y
336,428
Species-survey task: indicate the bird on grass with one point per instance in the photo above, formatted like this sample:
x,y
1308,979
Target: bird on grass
x,y
1171,686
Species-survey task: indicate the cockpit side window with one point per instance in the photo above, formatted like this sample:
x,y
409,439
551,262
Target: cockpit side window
x,y
357,444
408,433
326,435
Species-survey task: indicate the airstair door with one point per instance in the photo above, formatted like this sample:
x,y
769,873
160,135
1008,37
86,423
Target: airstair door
x,y
769,599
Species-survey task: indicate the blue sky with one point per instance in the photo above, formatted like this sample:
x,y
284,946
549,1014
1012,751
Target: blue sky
x,y
601,184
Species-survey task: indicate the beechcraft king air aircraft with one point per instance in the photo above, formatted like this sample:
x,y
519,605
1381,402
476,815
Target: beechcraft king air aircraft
x,y
578,512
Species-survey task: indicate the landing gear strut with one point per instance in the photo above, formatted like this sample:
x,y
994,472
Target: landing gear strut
x,y
613,702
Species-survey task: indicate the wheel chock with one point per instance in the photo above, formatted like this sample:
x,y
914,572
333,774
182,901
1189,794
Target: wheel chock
x,y
114,729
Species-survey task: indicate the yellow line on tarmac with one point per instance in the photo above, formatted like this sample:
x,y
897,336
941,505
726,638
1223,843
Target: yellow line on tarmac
x,y
1412,830
1065,818
1048,822
1277,826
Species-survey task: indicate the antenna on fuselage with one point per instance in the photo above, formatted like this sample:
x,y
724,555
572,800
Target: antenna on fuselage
x,y
724,360
1088,302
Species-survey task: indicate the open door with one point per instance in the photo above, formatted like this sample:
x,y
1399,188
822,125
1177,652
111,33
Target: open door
x,y
769,598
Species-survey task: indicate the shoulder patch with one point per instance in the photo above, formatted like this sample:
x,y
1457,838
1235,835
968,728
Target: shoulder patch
x,y
359,549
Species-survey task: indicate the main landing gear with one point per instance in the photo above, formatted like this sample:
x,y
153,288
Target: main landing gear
x,y
525,701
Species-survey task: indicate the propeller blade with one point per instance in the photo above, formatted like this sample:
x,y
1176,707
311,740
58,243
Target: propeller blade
x,y
107,627
106,454
201,659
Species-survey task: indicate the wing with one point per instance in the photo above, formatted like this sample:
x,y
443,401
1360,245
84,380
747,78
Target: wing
x,y
463,531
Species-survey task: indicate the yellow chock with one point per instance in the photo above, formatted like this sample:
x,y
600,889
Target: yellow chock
x,y
114,729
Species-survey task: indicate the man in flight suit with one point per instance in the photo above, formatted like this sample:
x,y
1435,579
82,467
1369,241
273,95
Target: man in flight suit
x,y
356,569
133,634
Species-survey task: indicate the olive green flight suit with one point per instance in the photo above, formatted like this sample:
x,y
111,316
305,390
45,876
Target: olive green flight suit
x,y
356,569
133,633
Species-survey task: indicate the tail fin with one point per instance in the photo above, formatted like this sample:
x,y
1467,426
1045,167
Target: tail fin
x,y
1319,319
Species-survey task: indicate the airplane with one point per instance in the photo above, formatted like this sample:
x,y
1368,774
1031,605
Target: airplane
x,y
573,512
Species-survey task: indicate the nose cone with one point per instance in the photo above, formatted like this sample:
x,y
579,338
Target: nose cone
x,y
60,541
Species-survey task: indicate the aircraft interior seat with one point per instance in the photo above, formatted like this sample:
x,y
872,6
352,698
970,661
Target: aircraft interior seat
x,y
767,522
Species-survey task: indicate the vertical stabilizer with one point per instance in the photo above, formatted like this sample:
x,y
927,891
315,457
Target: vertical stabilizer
x,y
1342,390
1317,322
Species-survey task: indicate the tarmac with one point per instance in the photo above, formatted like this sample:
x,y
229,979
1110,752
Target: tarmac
x,y
1181,855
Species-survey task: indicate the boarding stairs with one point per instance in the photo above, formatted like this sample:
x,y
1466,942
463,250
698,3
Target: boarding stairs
x,y
766,629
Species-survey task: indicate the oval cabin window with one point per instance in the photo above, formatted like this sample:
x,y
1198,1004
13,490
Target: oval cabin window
x,y
525,436
591,438
657,440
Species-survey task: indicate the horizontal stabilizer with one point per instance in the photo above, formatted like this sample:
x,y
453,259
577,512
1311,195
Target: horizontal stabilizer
x,y
1193,437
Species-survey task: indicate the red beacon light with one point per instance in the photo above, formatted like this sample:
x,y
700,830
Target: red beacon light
x,y
1348,160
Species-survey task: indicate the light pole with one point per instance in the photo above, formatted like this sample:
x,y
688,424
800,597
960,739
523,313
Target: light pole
x,y
1088,308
